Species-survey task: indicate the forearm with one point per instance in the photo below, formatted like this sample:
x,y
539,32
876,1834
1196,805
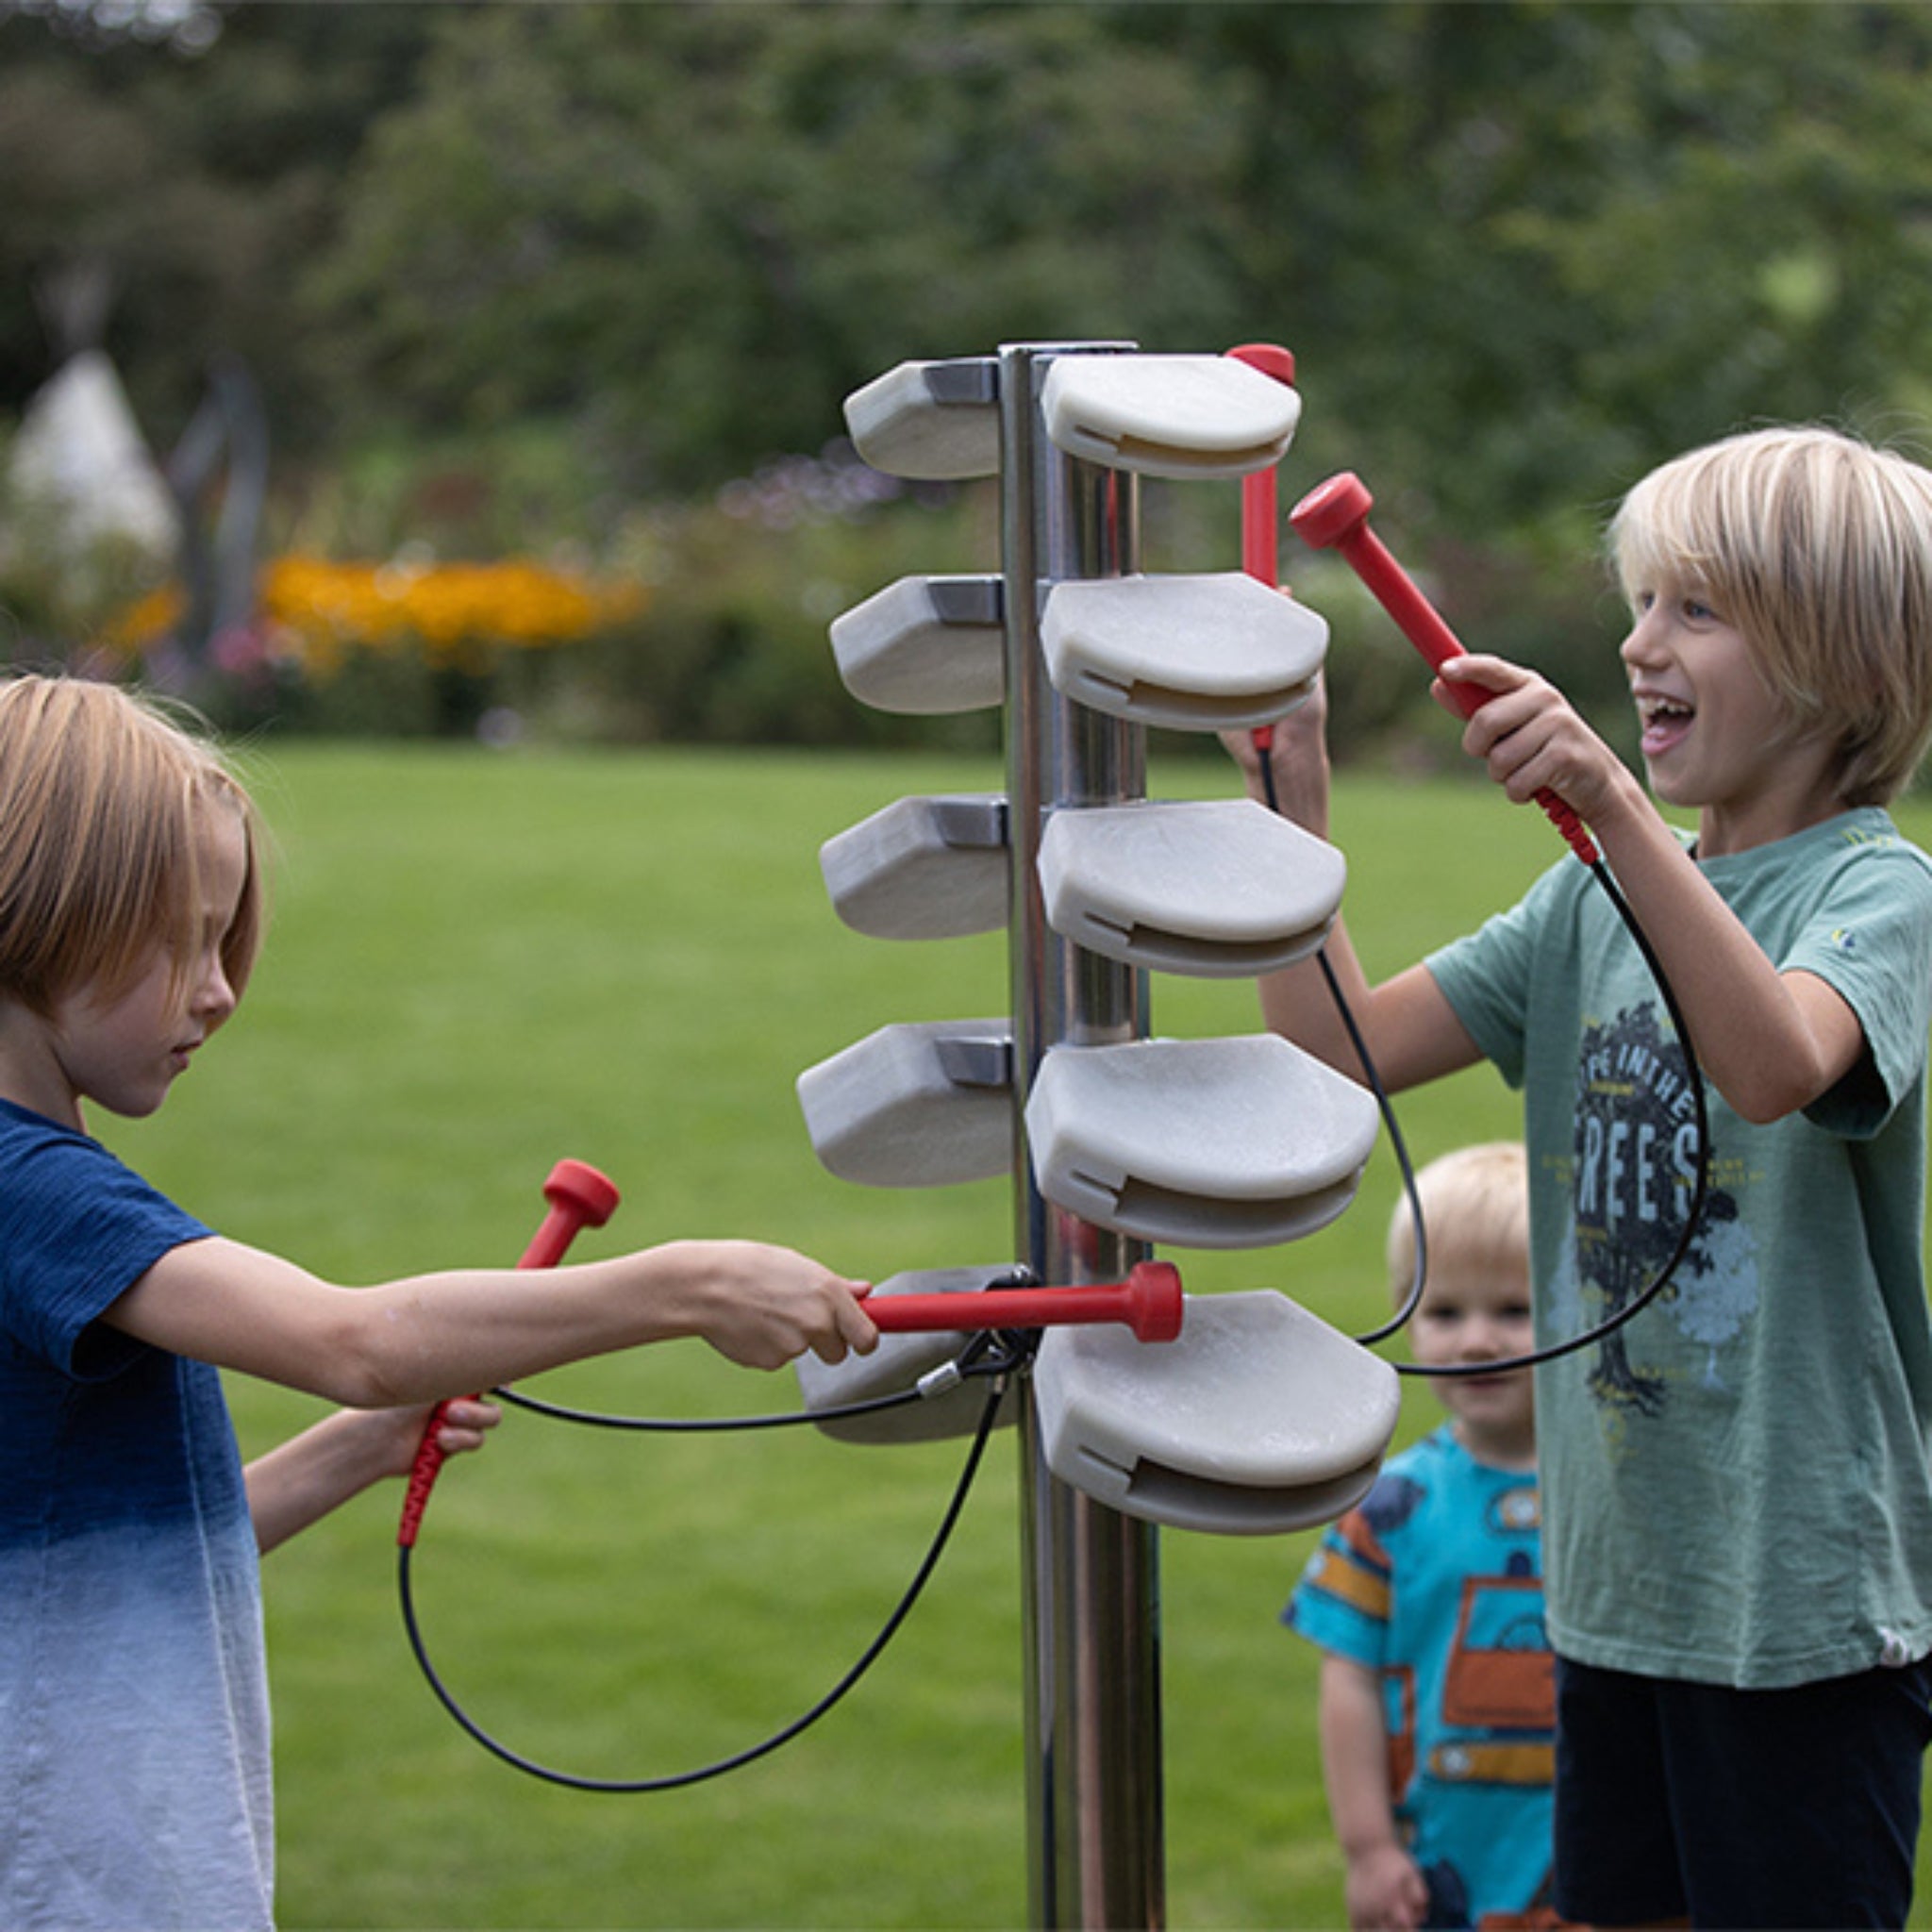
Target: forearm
x,y
302,1480
1410,1032
426,1336
298,1482
1384,1888
1355,1759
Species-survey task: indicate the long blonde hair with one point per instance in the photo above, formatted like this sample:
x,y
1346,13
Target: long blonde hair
x,y
1817,548
103,797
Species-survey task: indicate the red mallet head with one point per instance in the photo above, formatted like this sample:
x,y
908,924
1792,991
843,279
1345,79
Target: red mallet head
x,y
1332,511
579,1197
1149,1301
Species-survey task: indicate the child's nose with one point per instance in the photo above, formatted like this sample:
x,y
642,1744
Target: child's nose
x,y
1642,642
214,997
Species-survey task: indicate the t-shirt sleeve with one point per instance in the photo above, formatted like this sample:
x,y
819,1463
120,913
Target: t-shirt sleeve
x,y
1871,940
1488,976
1342,1602
77,1229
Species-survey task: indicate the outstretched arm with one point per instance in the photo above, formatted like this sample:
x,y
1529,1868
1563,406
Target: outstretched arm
x,y
431,1336
1411,1030
298,1482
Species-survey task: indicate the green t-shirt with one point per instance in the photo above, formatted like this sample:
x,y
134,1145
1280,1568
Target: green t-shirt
x,y
1736,1484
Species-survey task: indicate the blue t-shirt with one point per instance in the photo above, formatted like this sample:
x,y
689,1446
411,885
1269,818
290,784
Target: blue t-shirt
x,y
1434,1581
133,1739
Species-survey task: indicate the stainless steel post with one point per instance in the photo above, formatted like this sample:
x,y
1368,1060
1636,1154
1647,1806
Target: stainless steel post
x,y
1091,1575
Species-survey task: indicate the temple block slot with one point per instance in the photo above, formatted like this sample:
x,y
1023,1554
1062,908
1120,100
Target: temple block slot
x,y
926,647
1221,888
923,868
1169,415
1202,1143
937,421
918,1106
1259,1419
901,1362
1214,652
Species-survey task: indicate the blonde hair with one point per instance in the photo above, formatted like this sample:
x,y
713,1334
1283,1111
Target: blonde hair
x,y
1817,548
103,796
1475,1204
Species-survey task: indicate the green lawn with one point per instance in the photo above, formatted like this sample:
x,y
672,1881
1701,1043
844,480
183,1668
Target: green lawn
x,y
479,964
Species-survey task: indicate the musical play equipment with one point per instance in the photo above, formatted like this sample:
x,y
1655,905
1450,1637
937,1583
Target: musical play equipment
x,y
1257,1416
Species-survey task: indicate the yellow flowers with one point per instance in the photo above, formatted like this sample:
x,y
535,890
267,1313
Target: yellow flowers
x,y
455,614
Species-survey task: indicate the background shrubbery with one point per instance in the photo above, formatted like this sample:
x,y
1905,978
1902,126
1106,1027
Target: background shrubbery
x,y
585,285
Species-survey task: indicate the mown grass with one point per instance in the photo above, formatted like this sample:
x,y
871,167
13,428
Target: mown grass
x,y
481,963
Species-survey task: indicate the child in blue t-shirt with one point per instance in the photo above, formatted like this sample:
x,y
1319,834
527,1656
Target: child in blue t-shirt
x,y
134,1743
1739,1508
1438,1708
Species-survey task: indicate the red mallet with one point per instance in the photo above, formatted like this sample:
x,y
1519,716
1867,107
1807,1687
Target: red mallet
x,y
579,1197
1148,1301
1260,542
1335,516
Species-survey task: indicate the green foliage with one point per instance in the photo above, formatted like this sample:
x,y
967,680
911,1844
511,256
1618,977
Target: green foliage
x,y
1524,251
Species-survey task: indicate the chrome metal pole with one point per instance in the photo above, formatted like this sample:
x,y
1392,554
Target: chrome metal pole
x,y
1089,1575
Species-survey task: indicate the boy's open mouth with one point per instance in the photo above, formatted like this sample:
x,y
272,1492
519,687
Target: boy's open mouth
x,y
1664,721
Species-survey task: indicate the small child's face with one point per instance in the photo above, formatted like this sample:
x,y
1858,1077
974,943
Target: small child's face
x,y
125,1049
1475,1310
1716,735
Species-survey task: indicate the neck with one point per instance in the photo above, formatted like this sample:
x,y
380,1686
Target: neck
x,y
1811,798
31,1077
1513,1449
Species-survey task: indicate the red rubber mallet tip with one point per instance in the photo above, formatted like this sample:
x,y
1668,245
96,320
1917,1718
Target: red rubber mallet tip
x,y
1331,511
575,1184
1154,1300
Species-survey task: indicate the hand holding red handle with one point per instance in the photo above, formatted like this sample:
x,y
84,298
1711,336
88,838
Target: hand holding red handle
x,y
579,1197
1335,516
1148,1301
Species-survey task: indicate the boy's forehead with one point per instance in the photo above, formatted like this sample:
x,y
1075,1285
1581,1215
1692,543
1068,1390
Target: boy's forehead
x,y
1462,1265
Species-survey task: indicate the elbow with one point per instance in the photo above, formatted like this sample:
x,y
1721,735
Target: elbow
x,y
1768,1093
362,1363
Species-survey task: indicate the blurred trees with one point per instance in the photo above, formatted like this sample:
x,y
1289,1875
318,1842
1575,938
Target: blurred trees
x,y
1522,250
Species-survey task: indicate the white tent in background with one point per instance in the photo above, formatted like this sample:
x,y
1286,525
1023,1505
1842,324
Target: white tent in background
x,y
82,471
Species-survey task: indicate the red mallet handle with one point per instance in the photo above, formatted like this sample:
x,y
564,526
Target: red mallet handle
x,y
1335,516
1261,539
1148,1301
579,1197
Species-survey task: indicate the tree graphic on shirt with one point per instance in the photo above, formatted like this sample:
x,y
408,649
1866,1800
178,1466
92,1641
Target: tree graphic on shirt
x,y
1636,1148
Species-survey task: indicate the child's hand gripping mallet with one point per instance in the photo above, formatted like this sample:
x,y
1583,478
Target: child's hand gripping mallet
x,y
579,1197
1335,516
1148,1301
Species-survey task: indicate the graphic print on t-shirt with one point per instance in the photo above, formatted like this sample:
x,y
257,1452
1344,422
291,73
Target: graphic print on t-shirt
x,y
1635,1152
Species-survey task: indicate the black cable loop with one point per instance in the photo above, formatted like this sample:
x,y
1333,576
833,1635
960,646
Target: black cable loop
x,y
1017,1349
968,1362
1700,1185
